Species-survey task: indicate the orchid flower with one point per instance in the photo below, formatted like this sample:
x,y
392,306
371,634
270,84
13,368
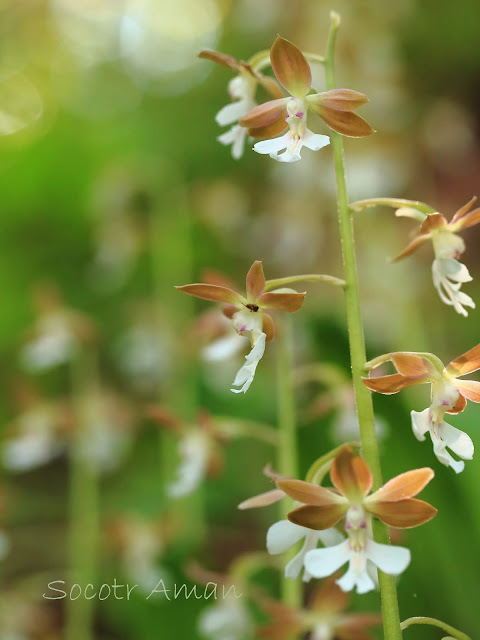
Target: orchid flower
x,y
248,316
325,618
242,89
448,273
350,498
449,394
335,107
198,449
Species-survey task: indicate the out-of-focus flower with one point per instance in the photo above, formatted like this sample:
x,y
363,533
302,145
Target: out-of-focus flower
x,y
228,619
339,397
336,107
248,315
242,89
448,273
140,544
198,447
57,333
36,437
349,498
448,395
325,618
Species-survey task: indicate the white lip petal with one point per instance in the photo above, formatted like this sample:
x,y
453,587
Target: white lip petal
x,y
390,559
315,141
323,562
273,145
282,535
420,423
194,452
245,375
352,578
456,440
236,137
454,270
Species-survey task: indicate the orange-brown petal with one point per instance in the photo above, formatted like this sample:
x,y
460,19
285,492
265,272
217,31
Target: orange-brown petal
x,y
290,67
411,365
403,514
389,384
411,247
268,326
281,301
270,130
270,85
317,518
470,389
345,122
212,292
403,486
431,222
220,58
463,210
466,363
470,220
339,99
309,493
460,405
255,281
262,500
350,474
265,114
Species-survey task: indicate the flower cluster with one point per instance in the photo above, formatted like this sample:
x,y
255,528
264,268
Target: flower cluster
x,y
248,314
449,394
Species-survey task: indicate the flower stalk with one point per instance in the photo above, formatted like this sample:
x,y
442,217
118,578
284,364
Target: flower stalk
x,y
83,502
390,612
287,445
454,633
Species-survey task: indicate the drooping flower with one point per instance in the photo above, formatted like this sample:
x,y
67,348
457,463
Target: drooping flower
x,y
325,618
248,315
323,508
242,89
335,107
449,394
448,273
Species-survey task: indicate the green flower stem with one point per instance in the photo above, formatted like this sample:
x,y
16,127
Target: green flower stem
x,y
309,277
172,264
390,613
455,633
395,203
287,447
83,497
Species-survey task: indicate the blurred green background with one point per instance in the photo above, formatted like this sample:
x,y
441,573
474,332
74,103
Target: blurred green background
x,y
113,190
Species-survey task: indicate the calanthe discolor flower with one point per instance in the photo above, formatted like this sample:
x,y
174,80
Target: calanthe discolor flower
x,y
335,107
242,89
448,273
248,315
449,394
350,498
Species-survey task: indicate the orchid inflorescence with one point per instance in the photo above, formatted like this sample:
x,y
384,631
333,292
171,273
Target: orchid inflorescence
x,y
340,516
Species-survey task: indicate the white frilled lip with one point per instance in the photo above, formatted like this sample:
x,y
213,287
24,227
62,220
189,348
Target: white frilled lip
x,y
194,451
443,435
292,145
246,373
389,559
